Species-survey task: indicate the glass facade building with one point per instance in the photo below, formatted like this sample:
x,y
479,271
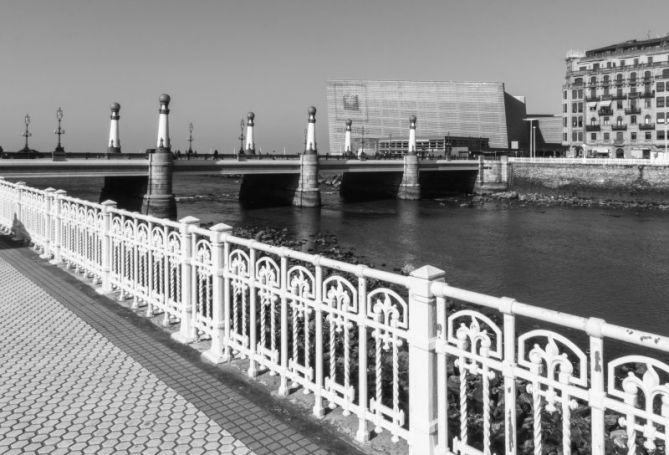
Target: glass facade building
x,y
380,112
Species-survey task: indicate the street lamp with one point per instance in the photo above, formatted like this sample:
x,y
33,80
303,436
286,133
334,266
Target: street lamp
x,y
241,138
26,134
190,138
59,153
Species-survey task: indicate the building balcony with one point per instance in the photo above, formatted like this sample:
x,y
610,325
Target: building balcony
x,y
593,128
618,97
605,111
650,94
619,142
632,110
607,97
591,98
646,126
619,127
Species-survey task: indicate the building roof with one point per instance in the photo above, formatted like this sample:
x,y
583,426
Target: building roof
x,y
631,45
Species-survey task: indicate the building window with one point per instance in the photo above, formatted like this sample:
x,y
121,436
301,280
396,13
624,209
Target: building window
x,y
580,93
619,92
606,91
593,80
607,137
593,136
619,121
593,121
633,136
574,94
636,61
564,94
564,122
619,104
633,120
564,137
580,136
632,89
646,120
619,137
573,136
574,108
593,107
647,102
595,66
650,60
660,134
606,120
564,108
660,117
578,81
649,135
665,73
580,108
622,63
573,122
659,102
608,64
646,75
659,87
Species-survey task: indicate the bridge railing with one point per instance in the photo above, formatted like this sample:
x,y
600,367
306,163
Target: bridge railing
x,y
445,369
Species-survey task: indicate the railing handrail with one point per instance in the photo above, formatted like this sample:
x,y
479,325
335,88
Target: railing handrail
x,y
501,304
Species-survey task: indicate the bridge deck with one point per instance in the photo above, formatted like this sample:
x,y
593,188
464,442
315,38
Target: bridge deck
x,y
99,379
124,168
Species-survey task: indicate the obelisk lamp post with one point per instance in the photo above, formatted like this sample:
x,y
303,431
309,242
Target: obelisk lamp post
x,y
114,141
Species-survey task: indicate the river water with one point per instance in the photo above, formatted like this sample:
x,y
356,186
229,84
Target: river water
x,y
608,263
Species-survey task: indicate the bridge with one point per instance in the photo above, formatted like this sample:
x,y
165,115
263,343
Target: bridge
x,y
267,181
145,184
439,368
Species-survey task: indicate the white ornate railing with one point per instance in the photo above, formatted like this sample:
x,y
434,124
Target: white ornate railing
x,y
447,370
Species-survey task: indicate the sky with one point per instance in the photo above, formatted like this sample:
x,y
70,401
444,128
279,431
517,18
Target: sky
x,y
220,59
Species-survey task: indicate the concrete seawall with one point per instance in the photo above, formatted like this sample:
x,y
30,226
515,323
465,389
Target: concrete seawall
x,y
624,182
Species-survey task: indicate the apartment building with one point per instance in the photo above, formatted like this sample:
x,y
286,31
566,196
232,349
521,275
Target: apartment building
x,y
615,100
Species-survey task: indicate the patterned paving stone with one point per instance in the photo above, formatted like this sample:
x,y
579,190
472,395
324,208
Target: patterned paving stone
x,y
64,388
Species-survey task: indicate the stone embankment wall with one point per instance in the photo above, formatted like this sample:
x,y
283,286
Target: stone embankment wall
x,y
624,182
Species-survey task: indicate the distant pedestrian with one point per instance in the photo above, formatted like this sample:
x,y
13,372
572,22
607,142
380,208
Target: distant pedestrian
x,y
215,154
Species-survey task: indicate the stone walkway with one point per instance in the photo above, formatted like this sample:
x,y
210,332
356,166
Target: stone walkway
x,y
79,376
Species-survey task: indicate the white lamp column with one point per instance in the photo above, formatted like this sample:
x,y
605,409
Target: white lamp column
x,y
114,145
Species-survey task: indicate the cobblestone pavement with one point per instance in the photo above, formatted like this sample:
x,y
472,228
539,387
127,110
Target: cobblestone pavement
x,y
64,388
80,373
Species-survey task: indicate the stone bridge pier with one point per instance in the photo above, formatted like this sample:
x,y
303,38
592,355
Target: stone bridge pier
x,y
159,200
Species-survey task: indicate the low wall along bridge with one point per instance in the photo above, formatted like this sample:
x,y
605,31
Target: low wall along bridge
x,y
144,183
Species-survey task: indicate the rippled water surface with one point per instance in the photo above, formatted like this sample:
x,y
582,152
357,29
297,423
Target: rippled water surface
x,y
612,264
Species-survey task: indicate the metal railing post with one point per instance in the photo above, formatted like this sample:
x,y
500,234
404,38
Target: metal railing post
x,y
56,245
597,393
17,222
49,195
508,365
423,361
186,332
215,353
106,285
